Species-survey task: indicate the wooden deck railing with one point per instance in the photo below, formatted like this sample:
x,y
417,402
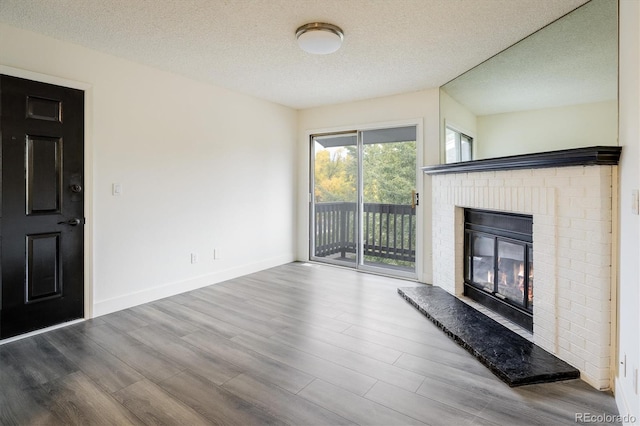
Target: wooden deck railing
x,y
388,229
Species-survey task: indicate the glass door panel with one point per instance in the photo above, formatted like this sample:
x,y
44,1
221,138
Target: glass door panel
x,y
528,285
511,262
482,261
388,193
334,237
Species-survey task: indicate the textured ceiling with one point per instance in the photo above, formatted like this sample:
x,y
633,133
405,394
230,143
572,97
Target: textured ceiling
x,y
572,61
391,46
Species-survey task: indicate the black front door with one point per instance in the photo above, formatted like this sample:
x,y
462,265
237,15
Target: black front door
x,y
42,219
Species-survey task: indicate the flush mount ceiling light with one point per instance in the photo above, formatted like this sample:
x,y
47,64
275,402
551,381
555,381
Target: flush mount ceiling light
x,y
319,38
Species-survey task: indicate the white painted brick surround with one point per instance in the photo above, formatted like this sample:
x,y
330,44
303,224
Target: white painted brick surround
x,y
572,245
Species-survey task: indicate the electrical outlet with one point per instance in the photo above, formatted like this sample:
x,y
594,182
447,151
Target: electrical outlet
x,y
194,258
216,254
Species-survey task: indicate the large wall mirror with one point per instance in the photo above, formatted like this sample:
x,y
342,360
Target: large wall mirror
x,y
556,89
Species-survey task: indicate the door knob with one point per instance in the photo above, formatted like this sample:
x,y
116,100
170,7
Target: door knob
x,y
71,222
75,187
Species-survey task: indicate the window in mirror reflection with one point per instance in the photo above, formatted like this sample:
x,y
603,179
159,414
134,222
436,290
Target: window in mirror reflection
x,y
459,147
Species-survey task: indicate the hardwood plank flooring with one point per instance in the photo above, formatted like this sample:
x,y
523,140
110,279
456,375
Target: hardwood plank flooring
x,y
216,403
311,364
299,344
77,400
252,361
152,405
102,367
291,408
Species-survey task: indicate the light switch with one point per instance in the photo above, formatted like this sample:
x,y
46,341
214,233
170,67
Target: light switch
x,y
116,189
635,202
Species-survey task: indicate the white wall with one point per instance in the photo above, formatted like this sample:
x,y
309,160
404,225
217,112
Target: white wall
x,y
421,106
548,129
201,167
629,252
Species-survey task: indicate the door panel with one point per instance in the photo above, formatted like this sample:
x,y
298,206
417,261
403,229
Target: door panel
x,y
388,191
42,205
44,174
335,195
43,267
44,109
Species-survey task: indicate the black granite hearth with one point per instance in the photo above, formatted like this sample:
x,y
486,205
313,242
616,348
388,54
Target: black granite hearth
x,y
508,355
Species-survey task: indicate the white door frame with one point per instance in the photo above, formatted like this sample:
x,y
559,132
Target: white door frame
x,y
357,128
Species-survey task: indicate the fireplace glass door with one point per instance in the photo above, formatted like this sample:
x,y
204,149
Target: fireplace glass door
x,y
511,262
499,264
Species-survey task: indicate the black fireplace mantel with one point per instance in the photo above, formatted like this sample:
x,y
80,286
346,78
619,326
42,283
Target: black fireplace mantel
x,y
590,156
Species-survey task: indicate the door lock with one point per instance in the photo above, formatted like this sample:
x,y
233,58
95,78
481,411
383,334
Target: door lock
x,y
75,188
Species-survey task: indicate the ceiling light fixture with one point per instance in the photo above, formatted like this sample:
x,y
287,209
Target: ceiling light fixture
x,y
319,38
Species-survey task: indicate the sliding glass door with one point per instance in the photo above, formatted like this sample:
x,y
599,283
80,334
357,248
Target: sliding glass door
x,y
334,232
363,199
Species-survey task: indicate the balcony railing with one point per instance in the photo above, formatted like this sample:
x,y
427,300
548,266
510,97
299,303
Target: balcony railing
x,y
388,230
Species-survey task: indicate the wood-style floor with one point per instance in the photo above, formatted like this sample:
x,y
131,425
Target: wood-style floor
x,y
299,344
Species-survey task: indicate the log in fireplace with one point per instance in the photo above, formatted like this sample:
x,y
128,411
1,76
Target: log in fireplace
x,y
498,267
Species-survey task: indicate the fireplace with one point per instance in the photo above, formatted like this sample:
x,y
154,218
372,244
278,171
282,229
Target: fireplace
x,y
570,194
498,263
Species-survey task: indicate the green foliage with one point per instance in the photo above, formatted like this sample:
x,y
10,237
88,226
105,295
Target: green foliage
x,y
389,173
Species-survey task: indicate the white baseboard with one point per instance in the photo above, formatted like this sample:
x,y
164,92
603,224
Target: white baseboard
x,y
171,289
627,417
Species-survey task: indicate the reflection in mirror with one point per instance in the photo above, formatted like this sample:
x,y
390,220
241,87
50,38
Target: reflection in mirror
x,y
556,89
458,146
